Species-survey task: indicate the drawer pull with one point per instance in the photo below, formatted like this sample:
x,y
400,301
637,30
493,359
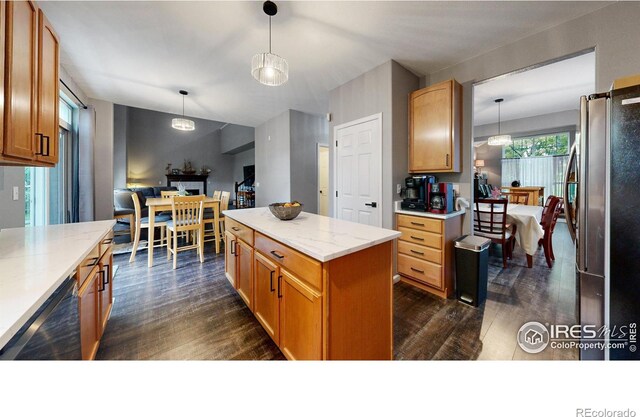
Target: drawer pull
x,y
102,288
417,252
271,289
95,261
232,247
107,241
279,286
277,255
235,229
235,245
417,270
417,224
417,238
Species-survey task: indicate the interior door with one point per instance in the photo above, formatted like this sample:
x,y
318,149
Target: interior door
x,y
266,305
359,171
323,180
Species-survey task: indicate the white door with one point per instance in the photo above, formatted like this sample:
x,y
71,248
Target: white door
x,y
323,180
359,171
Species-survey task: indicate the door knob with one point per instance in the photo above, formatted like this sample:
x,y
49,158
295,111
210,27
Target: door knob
x,y
372,204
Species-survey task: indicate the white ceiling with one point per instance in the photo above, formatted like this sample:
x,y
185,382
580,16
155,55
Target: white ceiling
x,y
549,89
141,53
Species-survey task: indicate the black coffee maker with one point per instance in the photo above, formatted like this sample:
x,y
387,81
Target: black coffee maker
x,y
416,192
440,197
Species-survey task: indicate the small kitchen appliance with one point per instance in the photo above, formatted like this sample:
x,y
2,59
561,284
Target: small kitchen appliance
x,y
416,192
440,197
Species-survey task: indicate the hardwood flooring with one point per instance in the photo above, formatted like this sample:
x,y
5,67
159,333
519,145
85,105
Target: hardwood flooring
x,y
194,313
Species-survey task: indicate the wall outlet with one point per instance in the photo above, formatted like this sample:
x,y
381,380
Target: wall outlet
x,y
159,182
398,188
16,193
456,189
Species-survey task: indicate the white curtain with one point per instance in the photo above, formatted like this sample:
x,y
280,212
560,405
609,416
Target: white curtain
x,y
544,171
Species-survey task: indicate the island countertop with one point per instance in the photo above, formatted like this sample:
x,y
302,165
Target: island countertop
x,y
322,238
34,261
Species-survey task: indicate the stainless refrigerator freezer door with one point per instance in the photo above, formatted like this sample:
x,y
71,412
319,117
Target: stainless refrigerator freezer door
x,y
590,254
569,206
591,309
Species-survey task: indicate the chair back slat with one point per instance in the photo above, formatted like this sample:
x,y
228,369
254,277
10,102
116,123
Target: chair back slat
x,y
548,216
136,206
187,211
490,216
224,200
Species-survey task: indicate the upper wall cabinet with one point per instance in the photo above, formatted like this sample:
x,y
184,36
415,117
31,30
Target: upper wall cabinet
x,y
30,89
435,128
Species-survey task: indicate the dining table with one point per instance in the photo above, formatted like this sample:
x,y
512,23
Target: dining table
x,y
159,204
528,229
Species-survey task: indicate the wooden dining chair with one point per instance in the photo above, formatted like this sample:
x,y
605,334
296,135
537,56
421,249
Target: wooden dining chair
x,y
518,198
224,205
186,213
168,194
490,221
143,223
209,218
216,194
548,223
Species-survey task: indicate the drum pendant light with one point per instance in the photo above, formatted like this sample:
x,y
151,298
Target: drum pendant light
x,y
266,67
499,140
181,123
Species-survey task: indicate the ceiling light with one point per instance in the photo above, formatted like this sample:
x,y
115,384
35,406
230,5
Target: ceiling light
x,y
267,68
181,123
499,140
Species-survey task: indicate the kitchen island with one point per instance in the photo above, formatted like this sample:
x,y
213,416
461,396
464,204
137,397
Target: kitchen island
x,y
320,287
36,261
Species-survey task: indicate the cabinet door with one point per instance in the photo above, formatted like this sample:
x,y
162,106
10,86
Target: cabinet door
x,y
431,138
244,273
230,244
48,90
105,290
88,309
266,303
20,79
300,319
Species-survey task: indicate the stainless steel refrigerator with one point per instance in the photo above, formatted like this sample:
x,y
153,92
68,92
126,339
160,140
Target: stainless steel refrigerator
x,y
602,208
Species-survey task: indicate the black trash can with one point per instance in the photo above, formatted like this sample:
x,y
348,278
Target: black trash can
x,y
472,269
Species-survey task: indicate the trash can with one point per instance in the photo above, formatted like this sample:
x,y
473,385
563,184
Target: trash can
x,y
472,257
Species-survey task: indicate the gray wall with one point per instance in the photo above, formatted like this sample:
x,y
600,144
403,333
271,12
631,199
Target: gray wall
x,y
237,138
384,89
152,143
240,160
120,146
307,131
103,160
11,212
611,30
567,120
273,156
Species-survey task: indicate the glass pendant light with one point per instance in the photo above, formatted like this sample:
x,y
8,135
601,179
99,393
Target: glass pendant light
x,y
499,140
181,123
266,67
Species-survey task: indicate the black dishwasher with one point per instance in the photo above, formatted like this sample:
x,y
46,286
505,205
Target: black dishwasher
x,y
53,332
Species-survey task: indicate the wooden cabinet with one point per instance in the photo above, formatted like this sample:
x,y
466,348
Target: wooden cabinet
x,y
244,272
435,128
95,296
30,106
266,305
230,244
300,319
425,252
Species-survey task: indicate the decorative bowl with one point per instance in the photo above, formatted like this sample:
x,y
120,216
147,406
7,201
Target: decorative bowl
x,y
285,213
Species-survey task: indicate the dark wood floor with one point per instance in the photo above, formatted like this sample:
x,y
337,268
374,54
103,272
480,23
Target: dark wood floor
x,y
193,313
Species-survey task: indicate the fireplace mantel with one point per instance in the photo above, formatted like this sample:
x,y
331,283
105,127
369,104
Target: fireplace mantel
x,y
173,179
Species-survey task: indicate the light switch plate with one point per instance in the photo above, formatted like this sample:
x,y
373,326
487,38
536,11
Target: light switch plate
x,y
16,193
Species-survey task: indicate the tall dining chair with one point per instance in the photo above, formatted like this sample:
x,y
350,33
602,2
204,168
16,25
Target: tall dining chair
x,y
490,221
209,218
548,223
216,194
518,198
143,223
224,205
168,194
186,213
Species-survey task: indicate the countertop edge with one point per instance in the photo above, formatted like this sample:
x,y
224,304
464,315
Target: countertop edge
x,y
431,215
11,331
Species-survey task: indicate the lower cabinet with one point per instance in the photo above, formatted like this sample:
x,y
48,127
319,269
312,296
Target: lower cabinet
x,y
105,290
230,257
266,305
244,272
300,319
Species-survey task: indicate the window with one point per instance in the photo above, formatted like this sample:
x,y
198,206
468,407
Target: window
x,y
537,161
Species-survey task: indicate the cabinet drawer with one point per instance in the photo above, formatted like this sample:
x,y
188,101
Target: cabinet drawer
x,y
421,252
418,237
106,243
420,223
87,265
423,271
307,269
239,230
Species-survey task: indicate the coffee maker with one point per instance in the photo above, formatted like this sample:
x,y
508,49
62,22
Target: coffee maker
x,y
416,192
440,197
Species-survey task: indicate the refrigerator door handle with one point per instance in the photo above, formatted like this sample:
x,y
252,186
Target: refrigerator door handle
x,y
583,185
568,211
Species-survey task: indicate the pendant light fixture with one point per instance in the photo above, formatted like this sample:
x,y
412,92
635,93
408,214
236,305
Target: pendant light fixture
x,y
269,69
499,140
181,123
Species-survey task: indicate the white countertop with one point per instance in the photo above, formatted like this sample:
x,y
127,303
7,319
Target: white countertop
x,y
35,261
322,238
